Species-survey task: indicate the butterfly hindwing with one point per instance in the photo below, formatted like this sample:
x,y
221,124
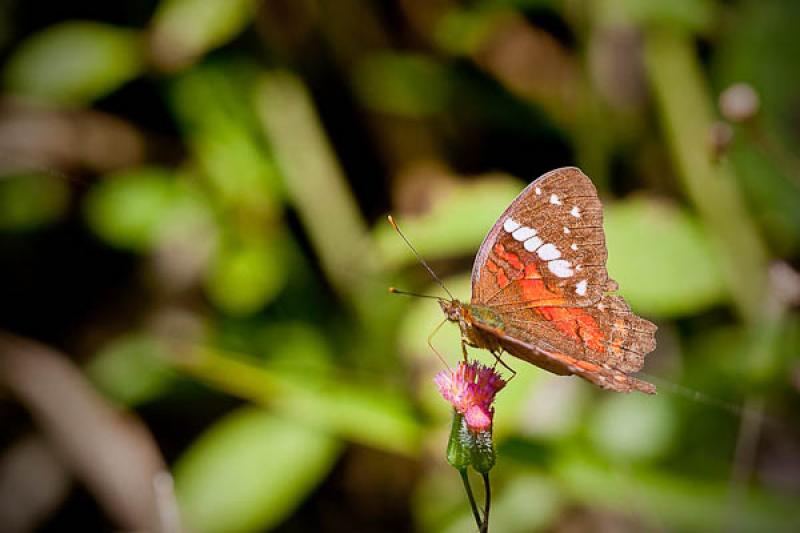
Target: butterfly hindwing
x,y
607,332
602,374
627,338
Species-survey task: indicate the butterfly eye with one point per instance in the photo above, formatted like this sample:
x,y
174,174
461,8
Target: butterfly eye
x,y
448,309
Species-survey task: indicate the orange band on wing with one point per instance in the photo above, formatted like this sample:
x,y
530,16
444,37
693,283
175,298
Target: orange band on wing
x,y
571,321
531,272
511,258
575,323
502,279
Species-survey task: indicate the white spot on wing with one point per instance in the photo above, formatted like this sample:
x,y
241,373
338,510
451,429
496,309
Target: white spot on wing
x,y
566,230
576,212
538,190
548,252
580,287
532,244
560,268
554,200
523,233
574,246
510,225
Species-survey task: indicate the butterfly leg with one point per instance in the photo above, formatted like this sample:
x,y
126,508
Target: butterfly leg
x,y
464,349
499,359
430,343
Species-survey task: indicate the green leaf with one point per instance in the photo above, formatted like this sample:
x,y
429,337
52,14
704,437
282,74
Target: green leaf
x,y
455,225
368,415
250,471
404,84
662,500
634,427
31,200
132,369
75,62
359,412
186,29
128,208
692,15
214,106
294,347
246,275
661,258
463,31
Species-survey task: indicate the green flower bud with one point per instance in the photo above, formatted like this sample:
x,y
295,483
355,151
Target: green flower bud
x,y
482,455
467,447
460,444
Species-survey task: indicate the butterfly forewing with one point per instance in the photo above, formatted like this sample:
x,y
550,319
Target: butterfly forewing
x,y
555,227
541,269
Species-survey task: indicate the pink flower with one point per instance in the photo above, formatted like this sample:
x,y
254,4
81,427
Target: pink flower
x,y
471,389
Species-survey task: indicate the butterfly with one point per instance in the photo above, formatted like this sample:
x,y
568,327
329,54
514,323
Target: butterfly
x,y
541,291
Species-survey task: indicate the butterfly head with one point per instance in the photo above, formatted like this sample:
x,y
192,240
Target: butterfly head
x,y
452,309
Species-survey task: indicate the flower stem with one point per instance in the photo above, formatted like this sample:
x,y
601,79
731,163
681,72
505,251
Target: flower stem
x,y
465,479
487,489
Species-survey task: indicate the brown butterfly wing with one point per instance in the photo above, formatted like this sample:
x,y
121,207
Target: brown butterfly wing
x,y
556,211
629,338
559,363
541,269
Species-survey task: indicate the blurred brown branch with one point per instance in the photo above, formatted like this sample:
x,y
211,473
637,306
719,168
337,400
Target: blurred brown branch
x,y
110,451
33,483
34,138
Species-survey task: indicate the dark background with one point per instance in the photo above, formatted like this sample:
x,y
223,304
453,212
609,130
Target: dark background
x,y
194,326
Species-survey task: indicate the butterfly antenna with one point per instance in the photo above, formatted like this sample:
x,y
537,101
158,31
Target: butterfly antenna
x,y
395,290
419,258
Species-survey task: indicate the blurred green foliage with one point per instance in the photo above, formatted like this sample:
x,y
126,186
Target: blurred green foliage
x,y
647,435
250,470
75,62
128,210
31,200
264,142
652,244
132,369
